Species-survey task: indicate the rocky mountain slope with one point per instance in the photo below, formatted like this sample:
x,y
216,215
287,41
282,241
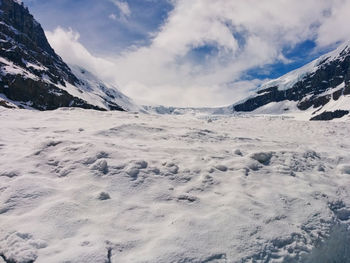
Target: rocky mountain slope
x,y
33,75
321,89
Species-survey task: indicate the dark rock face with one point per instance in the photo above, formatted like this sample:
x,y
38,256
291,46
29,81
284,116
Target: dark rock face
x,y
41,71
24,40
308,92
330,115
20,18
40,95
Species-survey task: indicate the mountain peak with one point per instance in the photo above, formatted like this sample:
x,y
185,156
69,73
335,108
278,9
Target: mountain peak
x,y
321,87
32,74
16,15
291,78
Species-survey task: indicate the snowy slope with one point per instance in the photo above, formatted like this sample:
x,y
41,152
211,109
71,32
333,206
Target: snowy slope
x,y
123,187
33,75
88,87
98,92
290,79
320,90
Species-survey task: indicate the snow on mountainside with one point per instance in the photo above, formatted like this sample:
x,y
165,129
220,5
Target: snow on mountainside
x,y
290,79
124,187
95,91
320,90
33,75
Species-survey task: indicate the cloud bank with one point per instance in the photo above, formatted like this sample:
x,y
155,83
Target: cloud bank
x,y
201,55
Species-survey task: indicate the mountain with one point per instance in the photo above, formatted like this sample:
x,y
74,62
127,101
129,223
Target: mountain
x,y
33,75
320,89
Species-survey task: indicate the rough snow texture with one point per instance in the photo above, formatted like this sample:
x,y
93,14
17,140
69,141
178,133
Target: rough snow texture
x,y
122,187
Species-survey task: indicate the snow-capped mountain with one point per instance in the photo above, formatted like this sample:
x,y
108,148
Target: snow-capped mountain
x,y
95,91
33,75
321,89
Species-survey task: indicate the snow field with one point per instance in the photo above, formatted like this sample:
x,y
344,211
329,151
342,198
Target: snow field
x,y
86,186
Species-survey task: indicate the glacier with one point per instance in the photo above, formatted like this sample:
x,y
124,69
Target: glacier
x,y
87,186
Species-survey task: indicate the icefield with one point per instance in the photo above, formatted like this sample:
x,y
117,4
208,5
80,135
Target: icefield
x,y
87,186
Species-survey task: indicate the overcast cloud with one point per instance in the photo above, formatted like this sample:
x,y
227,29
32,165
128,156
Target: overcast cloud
x,y
201,54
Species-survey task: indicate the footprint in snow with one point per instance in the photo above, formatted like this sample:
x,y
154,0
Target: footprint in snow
x,y
187,198
262,157
133,172
238,152
9,174
135,167
92,159
103,196
171,168
141,164
101,166
222,168
345,169
340,210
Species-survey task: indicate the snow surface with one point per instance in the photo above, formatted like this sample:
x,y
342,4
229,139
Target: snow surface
x,y
289,109
87,186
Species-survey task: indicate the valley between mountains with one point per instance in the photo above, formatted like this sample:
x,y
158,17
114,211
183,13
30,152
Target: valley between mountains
x,y
88,175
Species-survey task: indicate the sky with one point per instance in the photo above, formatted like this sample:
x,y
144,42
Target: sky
x,y
194,53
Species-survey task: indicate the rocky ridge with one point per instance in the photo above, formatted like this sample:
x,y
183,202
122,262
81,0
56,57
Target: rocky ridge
x,y
33,75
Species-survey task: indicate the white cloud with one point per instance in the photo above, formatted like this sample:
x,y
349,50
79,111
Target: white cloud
x,y
336,27
66,43
245,33
112,17
123,7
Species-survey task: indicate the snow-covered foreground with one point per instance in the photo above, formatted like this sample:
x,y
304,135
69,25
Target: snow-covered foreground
x,y
85,186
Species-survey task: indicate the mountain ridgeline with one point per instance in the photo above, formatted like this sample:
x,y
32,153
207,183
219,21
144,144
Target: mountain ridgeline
x,y
318,91
33,75
321,87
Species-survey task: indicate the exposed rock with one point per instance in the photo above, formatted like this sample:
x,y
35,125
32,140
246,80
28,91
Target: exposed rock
x,y
330,115
31,73
310,90
6,104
